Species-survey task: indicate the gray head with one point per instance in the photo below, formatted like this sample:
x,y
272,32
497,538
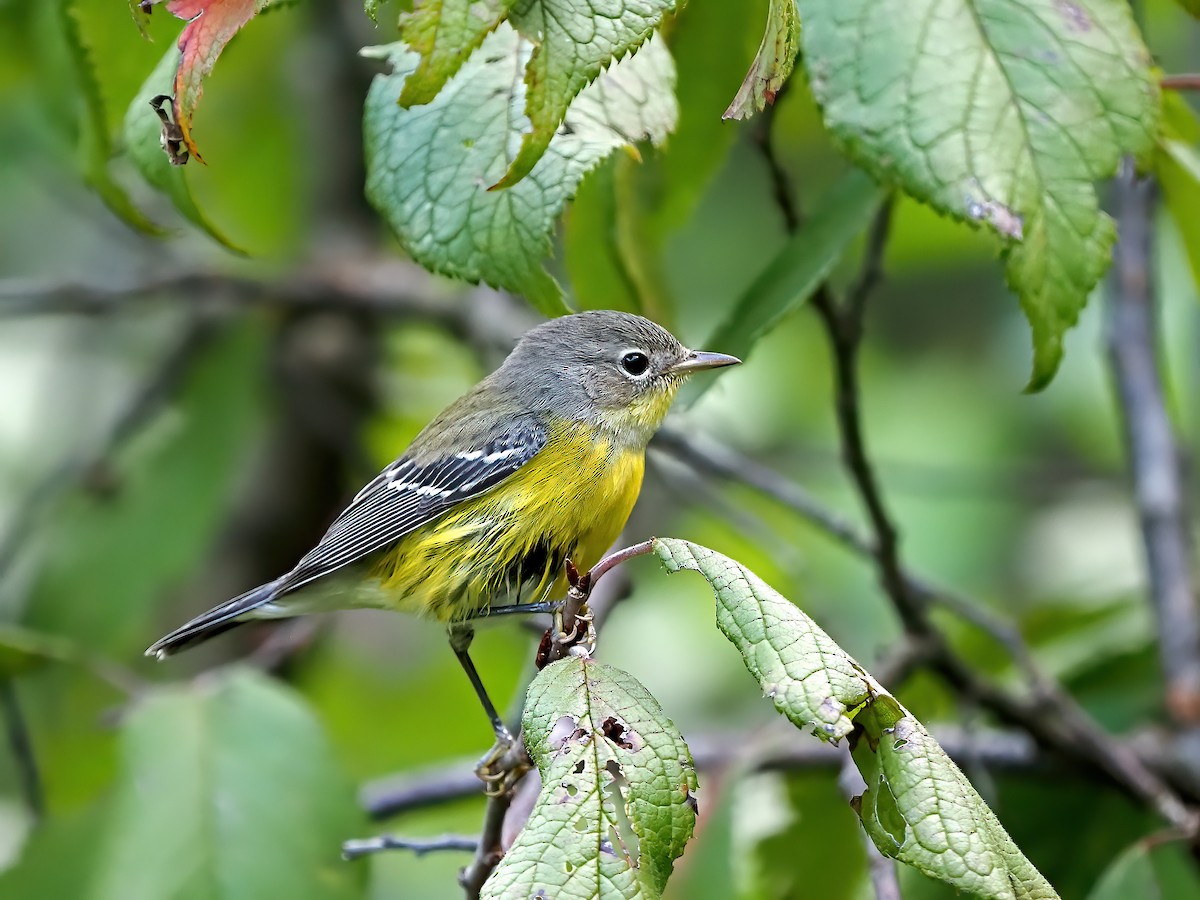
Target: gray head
x,y
611,368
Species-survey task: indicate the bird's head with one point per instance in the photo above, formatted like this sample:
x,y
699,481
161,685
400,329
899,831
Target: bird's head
x,y
614,369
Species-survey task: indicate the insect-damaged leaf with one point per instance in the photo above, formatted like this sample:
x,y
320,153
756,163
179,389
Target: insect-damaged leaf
x,y
919,807
617,804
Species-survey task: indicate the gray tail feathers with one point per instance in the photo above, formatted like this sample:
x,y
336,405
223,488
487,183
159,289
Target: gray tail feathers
x,y
217,620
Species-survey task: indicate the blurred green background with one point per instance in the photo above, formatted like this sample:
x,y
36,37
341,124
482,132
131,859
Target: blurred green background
x,y
168,449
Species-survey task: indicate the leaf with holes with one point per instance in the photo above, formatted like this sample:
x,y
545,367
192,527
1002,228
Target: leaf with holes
x,y
772,65
444,32
575,40
617,804
1000,113
210,25
919,807
429,167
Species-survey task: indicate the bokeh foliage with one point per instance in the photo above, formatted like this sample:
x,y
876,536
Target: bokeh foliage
x,y
1018,499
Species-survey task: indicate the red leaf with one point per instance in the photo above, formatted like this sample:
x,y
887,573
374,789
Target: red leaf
x,y
210,25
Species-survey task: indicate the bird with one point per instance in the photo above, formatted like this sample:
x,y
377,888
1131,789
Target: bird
x,y
539,464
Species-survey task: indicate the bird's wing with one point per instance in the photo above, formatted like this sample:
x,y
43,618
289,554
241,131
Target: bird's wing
x,y
408,494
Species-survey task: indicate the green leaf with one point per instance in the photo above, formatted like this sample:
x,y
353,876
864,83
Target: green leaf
x,y
142,139
228,790
801,265
617,781
1192,6
575,41
95,141
772,65
22,650
919,807
1177,166
428,167
1149,871
1000,113
444,32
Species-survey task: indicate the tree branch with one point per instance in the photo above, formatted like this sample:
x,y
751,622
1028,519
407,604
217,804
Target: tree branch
x,y
1154,460
418,846
1004,750
1180,82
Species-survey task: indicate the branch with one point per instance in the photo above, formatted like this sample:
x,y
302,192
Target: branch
x,y
1153,455
388,287
1050,715
419,846
995,749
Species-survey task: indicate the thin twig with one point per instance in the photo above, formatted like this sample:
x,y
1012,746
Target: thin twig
x,y
419,846
21,744
1189,82
490,849
1050,715
1153,454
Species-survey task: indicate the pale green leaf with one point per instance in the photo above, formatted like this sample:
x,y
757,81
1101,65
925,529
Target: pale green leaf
x,y
801,265
429,167
1177,166
575,41
1149,871
142,140
616,806
997,112
772,65
228,790
444,33
919,807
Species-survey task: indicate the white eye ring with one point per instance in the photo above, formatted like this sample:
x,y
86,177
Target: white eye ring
x,y
635,363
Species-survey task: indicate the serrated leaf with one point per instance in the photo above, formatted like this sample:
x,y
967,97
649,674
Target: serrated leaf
x,y
615,809
575,40
228,790
773,63
801,265
210,25
95,141
142,140
919,807
429,167
1001,113
444,33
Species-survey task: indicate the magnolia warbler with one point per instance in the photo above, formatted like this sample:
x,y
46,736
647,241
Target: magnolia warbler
x,y
539,463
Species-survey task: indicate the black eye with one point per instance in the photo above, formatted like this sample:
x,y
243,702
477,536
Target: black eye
x,y
635,363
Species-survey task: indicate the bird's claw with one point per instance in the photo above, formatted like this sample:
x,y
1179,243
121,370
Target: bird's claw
x,y
503,766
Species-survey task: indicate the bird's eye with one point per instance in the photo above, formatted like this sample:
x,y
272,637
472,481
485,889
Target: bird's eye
x,y
635,362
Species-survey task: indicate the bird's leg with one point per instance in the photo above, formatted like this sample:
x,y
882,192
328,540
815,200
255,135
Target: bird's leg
x,y
497,769
545,606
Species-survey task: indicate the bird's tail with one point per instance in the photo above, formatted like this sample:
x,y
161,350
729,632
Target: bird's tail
x,y
217,620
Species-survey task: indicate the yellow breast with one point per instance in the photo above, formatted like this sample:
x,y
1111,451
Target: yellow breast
x,y
569,501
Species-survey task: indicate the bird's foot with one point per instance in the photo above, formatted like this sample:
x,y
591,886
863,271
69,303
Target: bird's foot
x,y
504,765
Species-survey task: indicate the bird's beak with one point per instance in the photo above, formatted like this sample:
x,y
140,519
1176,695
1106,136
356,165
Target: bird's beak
x,y
695,360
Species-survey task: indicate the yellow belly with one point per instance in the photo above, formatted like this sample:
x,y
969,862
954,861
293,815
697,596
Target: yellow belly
x,y
507,546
